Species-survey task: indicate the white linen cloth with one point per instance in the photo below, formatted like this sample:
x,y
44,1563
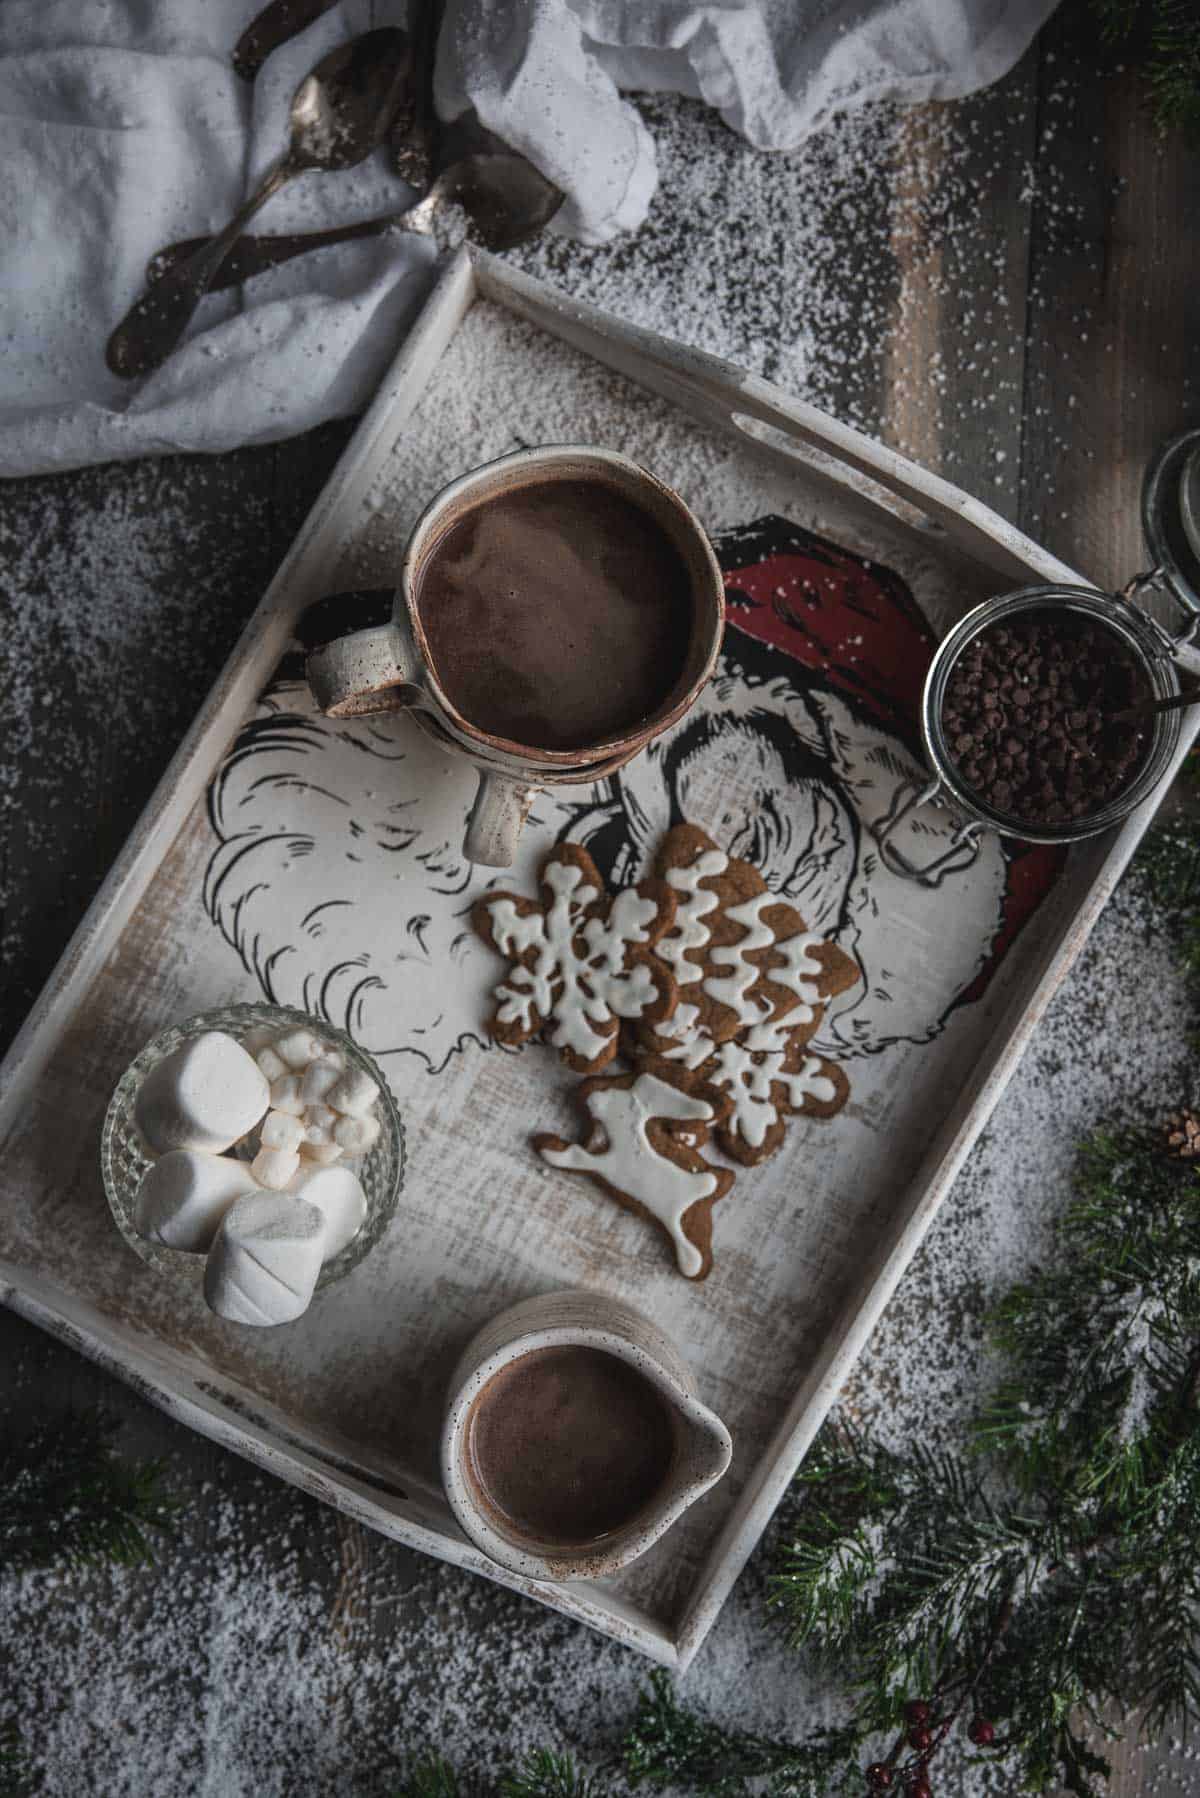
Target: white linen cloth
x,y
124,127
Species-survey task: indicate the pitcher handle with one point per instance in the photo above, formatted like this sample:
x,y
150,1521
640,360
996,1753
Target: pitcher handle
x,y
964,845
497,819
372,670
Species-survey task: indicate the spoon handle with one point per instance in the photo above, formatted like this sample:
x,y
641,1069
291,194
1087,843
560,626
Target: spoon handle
x,y
1148,708
252,255
154,324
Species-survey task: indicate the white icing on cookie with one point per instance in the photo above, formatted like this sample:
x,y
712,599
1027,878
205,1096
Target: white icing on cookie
x,y
632,1165
689,930
749,1070
799,973
689,1042
731,989
577,990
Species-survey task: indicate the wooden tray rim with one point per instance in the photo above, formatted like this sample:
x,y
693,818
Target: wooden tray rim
x,y
829,453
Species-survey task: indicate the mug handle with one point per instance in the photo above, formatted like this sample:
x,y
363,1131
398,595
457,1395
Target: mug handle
x,y
372,670
497,818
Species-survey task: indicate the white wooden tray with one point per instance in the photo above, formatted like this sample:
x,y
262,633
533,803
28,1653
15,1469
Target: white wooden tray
x,y
320,864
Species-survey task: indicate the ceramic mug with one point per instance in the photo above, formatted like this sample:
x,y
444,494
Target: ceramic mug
x,y
702,1447
387,667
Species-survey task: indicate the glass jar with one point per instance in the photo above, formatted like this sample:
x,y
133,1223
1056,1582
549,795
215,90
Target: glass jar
x,y
1171,525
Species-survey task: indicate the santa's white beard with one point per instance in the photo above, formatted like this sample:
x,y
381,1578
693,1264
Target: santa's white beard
x,y
339,876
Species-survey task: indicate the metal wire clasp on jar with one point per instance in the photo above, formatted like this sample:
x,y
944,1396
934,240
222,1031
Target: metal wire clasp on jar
x,y
1171,523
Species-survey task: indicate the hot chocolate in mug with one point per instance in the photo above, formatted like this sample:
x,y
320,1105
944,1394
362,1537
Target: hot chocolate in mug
x,y
573,1437
557,610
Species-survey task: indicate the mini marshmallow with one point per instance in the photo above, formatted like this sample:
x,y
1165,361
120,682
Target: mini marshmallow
x,y
323,1153
338,1196
274,1167
205,1095
272,1065
265,1259
319,1076
184,1196
320,1117
285,1095
297,1048
355,1135
261,1037
354,1094
280,1130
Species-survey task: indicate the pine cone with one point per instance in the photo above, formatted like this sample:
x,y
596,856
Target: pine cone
x,y
1182,1132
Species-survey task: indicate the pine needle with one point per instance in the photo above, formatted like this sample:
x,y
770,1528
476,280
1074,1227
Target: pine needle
x,y
66,1499
14,1769
434,1777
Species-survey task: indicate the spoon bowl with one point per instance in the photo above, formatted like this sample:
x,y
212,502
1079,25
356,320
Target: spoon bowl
x,y
342,111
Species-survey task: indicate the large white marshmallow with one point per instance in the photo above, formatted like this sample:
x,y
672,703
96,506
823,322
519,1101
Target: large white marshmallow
x,y
184,1196
338,1195
205,1095
265,1258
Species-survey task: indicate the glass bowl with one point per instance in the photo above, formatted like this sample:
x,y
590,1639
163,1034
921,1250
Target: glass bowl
x,y
124,1157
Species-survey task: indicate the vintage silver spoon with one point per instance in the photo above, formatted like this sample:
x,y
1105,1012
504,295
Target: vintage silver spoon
x,y
505,199
340,112
1149,708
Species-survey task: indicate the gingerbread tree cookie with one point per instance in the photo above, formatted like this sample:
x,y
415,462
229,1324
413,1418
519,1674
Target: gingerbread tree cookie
x,y
643,1150
580,963
739,953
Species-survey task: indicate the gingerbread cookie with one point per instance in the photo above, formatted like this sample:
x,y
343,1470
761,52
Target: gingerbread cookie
x,y
769,1077
740,954
643,1150
580,963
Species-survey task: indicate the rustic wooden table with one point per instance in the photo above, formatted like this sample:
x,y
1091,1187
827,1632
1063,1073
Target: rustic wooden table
x,y
1008,289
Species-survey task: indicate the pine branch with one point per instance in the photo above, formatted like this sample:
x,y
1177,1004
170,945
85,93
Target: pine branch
x,y
66,1498
541,1775
1118,19
546,1775
669,1744
1174,70
1167,866
14,1769
434,1777
1165,34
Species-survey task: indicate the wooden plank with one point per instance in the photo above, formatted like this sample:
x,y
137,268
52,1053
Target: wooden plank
x,y
1114,305
960,222
1114,320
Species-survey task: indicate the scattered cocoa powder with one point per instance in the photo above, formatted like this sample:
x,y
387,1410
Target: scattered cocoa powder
x,y
1027,716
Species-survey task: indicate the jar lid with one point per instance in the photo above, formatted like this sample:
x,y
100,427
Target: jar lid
x,y
1171,518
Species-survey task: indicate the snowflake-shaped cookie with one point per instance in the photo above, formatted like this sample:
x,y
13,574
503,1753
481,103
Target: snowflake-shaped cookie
x,y
581,964
766,1073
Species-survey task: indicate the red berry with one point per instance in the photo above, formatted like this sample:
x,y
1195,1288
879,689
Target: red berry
x,y
920,1788
920,1738
879,1776
981,1732
917,1711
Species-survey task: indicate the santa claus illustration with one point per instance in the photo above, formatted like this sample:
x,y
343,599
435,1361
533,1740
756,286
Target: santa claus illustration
x,y
338,874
